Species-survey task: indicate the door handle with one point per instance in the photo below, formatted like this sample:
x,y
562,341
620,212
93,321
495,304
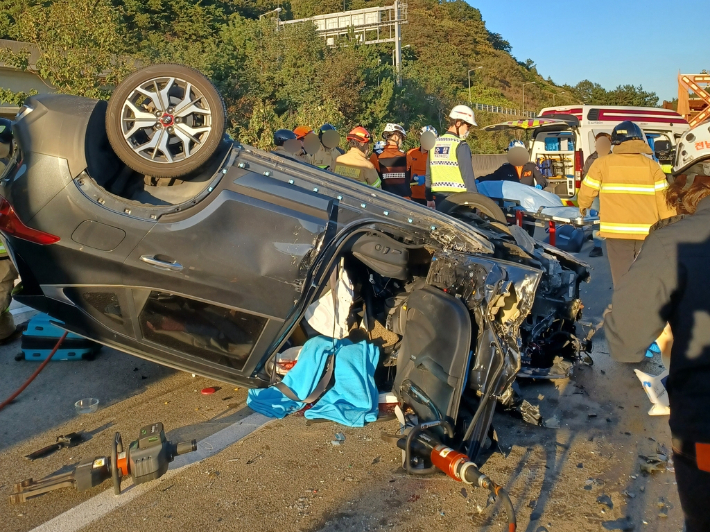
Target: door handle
x,y
162,264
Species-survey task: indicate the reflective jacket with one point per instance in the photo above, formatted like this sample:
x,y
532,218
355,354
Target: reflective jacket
x,y
391,164
631,189
444,165
324,158
356,166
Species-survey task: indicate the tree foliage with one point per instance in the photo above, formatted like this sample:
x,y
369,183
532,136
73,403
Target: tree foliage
x,y
272,79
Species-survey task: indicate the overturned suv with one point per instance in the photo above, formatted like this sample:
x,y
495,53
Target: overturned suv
x,y
139,224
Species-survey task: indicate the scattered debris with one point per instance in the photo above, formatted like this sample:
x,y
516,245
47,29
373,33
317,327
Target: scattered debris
x,y
580,465
655,462
464,493
552,423
339,439
605,500
624,524
208,391
69,440
530,413
413,498
663,507
629,494
376,460
591,414
532,504
254,459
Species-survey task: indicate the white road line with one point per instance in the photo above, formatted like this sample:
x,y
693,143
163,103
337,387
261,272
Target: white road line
x,y
106,502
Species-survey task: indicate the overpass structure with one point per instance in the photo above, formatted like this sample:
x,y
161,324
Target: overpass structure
x,y
372,25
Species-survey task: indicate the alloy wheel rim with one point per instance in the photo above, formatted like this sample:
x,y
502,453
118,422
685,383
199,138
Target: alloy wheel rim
x,y
166,120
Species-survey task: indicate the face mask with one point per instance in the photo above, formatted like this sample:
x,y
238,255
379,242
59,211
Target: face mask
x,y
464,136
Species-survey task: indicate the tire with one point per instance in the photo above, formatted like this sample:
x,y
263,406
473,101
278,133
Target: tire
x,y
173,132
472,200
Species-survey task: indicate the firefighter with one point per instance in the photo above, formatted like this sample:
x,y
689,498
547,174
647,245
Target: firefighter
x,y
668,283
328,150
8,273
391,164
602,147
287,144
519,168
450,168
355,164
631,189
417,159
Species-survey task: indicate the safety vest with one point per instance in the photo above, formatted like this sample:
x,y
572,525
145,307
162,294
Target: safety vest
x,y
444,164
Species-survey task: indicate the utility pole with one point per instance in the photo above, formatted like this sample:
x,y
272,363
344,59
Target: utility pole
x,y
398,43
470,101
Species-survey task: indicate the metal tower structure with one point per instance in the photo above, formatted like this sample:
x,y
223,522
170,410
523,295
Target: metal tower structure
x,y
372,25
694,100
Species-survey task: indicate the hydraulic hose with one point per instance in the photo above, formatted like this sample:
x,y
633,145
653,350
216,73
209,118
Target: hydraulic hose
x,y
32,377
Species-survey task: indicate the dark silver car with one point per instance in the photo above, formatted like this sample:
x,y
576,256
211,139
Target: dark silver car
x,y
141,225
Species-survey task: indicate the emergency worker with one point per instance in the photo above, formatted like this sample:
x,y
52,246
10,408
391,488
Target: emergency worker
x,y
417,159
519,168
450,168
391,164
602,147
287,144
301,133
631,189
8,273
668,282
328,150
355,164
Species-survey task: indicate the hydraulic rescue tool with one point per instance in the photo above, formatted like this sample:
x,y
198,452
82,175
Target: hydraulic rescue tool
x,y
420,447
145,459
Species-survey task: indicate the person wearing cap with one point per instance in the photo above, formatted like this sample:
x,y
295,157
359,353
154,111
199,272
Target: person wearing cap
x,y
519,168
391,164
328,151
668,284
287,145
355,164
631,189
450,165
417,160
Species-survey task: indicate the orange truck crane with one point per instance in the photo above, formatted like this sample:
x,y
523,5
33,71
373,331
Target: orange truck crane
x,y
694,100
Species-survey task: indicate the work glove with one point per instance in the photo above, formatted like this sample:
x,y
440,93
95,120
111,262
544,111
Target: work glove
x,y
538,186
582,211
419,179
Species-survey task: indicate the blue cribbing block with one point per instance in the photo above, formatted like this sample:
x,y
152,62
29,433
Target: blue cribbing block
x,y
41,336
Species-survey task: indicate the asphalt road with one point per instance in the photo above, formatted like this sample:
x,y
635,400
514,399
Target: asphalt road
x,y
255,474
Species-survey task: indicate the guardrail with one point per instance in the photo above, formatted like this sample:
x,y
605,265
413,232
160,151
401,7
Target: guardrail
x,y
502,110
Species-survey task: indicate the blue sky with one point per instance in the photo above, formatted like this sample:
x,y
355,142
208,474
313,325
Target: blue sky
x,y
608,42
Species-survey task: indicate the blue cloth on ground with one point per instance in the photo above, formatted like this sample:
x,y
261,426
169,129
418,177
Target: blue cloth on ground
x,y
352,401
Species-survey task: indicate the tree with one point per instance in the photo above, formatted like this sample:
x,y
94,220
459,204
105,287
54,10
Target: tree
x,y
77,55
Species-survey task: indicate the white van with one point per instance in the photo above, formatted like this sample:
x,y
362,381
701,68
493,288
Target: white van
x,y
563,136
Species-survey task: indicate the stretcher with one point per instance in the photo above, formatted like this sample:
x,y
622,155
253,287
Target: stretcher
x,y
527,206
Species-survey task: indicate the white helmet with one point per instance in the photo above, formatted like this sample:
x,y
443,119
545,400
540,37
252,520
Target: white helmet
x,y
693,147
463,113
393,128
429,129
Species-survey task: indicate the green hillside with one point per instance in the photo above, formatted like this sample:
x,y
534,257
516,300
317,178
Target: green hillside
x,y
275,79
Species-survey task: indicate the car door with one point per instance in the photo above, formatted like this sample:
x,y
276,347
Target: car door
x,y
212,286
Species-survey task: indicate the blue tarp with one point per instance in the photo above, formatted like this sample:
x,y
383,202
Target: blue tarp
x,y
353,399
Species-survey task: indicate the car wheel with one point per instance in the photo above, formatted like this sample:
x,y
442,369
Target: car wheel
x,y
472,201
165,120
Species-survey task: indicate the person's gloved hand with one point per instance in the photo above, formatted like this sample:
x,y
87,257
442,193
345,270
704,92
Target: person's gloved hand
x,y
583,212
538,186
431,204
419,179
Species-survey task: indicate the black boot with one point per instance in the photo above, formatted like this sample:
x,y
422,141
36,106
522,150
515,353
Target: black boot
x,y
596,252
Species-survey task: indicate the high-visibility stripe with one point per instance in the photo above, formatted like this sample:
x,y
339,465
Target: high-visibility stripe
x,y
661,185
591,183
377,184
629,189
619,228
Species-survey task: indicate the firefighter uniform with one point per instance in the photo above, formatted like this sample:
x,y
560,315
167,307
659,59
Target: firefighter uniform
x,y
8,274
631,189
324,158
355,165
391,165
